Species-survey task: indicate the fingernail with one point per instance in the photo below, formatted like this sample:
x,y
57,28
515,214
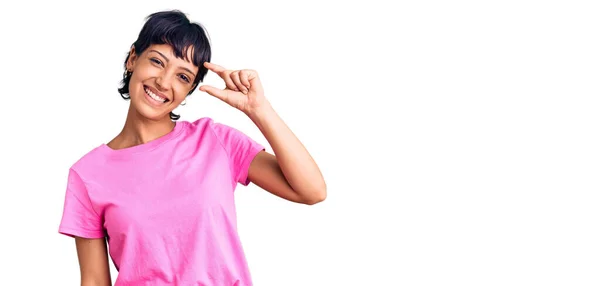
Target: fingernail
x,y
245,91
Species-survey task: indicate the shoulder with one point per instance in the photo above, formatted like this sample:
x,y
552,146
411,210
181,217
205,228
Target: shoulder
x,y
207,124
201,131
198,126
204,122
200,122
88,162
207,129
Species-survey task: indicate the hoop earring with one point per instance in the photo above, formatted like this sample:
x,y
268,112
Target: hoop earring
x,y
127,73
183,102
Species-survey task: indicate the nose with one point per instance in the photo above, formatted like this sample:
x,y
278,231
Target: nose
x,y
162,81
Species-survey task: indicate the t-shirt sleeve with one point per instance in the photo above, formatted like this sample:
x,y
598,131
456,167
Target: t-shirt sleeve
x,y
240,148
79,217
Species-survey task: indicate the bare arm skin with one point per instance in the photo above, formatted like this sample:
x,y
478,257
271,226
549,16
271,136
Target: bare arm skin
x,y
290,173
93,261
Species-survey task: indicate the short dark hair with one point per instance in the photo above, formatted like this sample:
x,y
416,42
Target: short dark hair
x,y
175,29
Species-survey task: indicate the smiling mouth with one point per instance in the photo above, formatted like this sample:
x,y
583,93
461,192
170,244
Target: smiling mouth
x,y
154,96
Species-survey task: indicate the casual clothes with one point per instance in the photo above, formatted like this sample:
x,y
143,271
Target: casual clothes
x,y
166,207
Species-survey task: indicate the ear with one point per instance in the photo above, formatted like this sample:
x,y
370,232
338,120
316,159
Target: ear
x,y
131,59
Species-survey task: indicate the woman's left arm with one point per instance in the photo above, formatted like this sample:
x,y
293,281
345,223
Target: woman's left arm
x,y
291,173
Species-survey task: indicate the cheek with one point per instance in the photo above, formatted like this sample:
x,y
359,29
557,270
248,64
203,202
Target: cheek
x,y
136,85
181,91
143,72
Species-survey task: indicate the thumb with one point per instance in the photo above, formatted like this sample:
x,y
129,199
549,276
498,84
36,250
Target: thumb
x,y
218,93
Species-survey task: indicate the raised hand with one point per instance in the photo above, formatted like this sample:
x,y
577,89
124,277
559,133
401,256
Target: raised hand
x,y
243,89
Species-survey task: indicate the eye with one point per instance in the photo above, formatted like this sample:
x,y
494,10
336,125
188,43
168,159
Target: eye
x,y
156,61
184,77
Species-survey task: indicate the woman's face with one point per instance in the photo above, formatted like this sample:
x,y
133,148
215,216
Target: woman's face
x,y
160,81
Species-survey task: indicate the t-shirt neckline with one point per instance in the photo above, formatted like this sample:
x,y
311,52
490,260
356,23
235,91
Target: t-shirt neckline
x,y
148,145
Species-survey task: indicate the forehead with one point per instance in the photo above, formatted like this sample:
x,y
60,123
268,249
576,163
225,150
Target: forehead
x,y
169,53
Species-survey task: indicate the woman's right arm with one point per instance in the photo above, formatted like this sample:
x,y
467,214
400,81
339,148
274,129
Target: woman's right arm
x,y
93,261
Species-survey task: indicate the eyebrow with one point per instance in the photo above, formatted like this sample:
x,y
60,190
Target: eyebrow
x,y
167,60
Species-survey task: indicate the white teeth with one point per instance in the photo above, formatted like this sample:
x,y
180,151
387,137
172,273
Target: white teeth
x,y
156,97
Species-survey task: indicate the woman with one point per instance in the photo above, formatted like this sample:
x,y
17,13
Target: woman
x,y
161,191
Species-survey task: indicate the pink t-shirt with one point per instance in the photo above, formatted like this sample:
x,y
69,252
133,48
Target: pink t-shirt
x,y
167,206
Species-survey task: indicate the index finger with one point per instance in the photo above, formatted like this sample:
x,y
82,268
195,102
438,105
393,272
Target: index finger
x,y
215,68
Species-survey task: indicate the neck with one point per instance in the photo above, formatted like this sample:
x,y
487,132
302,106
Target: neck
x,y
140,130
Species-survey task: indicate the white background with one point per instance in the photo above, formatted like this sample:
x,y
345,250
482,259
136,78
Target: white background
x,y
459,139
